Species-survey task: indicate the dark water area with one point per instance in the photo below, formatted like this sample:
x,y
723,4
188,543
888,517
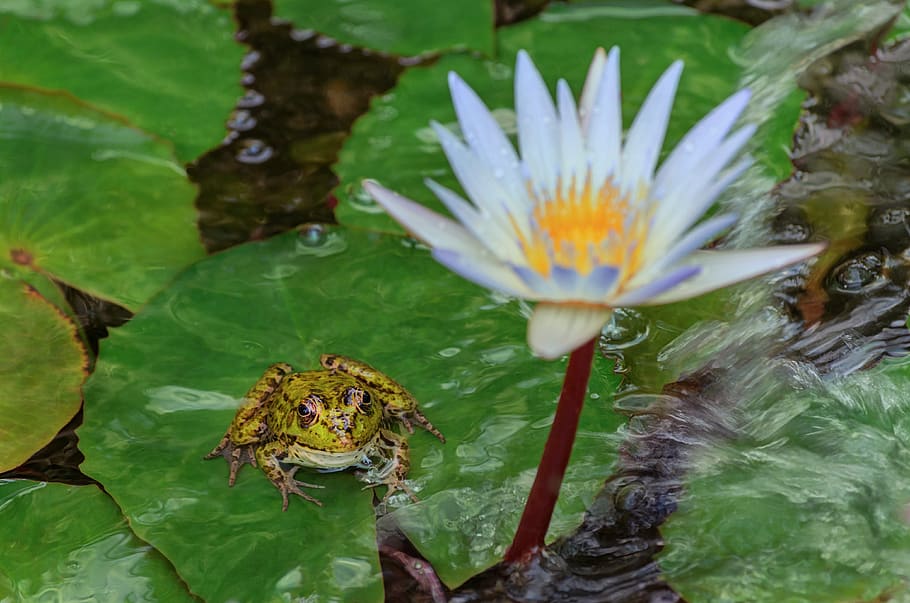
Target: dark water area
x,y
849,186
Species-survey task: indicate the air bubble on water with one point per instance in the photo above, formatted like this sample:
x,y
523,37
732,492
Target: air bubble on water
x,y
254,152
626,328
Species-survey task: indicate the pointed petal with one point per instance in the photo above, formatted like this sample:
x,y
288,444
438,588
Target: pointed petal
x,y
694,239
699,141
574,163
646,135
592,84
484,135
538,134
690,198
428,226
644,294
479,183
722,268
603,128
557,329
485,227
484,270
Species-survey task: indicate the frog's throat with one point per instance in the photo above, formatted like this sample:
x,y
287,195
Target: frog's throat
x,y
326,461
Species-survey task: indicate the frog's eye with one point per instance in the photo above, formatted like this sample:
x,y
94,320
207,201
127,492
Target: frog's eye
x,y
358,397
309,410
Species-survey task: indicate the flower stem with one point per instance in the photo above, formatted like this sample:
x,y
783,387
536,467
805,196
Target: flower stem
x,y
529,538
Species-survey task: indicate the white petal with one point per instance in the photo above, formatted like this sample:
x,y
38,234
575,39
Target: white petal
x,y
699,142
486,228
646,134
603,128
428,226
557,329
479,183
695,238
691,198
485,137
643,295
484,270
574,163
538,134
722,268
592,85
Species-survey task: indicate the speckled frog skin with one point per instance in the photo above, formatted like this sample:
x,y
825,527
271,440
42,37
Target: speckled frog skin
x,y
337,418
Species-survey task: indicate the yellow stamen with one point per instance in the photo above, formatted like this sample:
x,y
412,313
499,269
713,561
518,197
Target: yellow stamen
x,y
583,229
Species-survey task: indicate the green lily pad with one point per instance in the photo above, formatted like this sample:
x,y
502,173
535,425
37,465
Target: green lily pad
x,y
89,201
820,485
395,144
70,543
170,380
43,363
168,67
403,27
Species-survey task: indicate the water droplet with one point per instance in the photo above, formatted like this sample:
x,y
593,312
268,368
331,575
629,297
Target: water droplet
x,y
241,121
254,152
312,235
448,352
627,328
249,60
251,99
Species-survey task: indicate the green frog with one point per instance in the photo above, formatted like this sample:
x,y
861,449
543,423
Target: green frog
x,y
337,418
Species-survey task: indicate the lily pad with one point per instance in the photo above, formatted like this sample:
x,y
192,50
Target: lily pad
x,y
70,543
169,67
90,201
395,144
43,363
403,27
170,380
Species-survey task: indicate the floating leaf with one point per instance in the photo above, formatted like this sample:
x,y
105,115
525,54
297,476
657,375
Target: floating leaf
x,y
43,363
169,67
170,381
404,27
89,201
70,543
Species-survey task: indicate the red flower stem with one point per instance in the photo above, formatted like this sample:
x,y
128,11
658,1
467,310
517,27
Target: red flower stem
x,y
529,538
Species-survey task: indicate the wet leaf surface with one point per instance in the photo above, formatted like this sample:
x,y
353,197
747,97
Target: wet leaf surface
x,y
168,67
89,201
395,144
43,363
403,27
170,380
70,543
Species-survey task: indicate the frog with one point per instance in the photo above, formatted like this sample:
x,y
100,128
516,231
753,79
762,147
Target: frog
x,y
341,416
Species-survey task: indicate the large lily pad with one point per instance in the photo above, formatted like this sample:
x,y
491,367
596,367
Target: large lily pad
x,y
170,380
90,201
403,27
43,364
395,144
169,67
70,543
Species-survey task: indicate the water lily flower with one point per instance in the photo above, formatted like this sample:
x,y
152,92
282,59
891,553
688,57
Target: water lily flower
x,y
579,220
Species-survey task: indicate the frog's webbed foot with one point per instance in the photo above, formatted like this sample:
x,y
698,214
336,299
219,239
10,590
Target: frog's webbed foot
x,y
421,420
236,456
288,485
393,482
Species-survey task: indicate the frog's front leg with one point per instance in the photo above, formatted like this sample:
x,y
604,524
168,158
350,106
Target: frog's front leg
x,y
394,471
398,404
269,458
248,426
